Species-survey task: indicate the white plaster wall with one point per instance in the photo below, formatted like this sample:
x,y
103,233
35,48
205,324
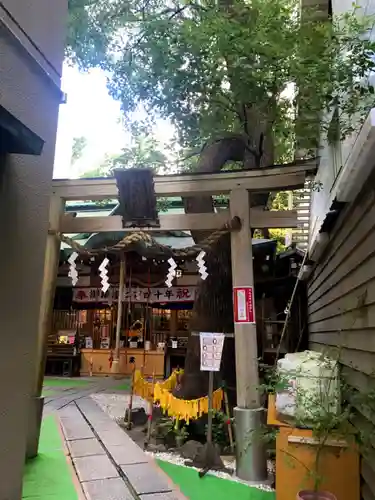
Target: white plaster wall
x,y
340,6
367,8
321,200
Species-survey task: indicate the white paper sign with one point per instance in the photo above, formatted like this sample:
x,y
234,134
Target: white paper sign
x,y
211,351
104,343
88,343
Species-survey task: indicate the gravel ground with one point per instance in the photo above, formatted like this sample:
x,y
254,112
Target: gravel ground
x,y
115,405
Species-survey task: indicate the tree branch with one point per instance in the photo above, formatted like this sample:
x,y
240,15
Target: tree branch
x,y
229,107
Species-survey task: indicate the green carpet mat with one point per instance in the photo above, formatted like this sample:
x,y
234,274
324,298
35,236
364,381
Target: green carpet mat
x,y
65,382
46,393
124,386
48,476
211,487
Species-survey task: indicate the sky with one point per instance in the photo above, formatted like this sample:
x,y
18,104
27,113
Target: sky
x,y
90,112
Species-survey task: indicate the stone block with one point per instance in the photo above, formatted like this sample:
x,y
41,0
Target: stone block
x,y
89,405
85,447
95,467
127,454
76,430
69,411
113,437
103,425
145,478
171,495
107,489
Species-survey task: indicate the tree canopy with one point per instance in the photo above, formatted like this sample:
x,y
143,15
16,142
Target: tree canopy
x,y
244,82
79,145
236,68
143,151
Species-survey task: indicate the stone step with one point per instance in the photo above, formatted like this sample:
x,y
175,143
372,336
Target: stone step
x,y
109,464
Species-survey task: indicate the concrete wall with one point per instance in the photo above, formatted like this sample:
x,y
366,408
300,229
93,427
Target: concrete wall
x,y
31,53
41,24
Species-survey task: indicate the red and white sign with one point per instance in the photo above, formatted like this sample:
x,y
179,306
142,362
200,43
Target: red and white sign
x,y
243,304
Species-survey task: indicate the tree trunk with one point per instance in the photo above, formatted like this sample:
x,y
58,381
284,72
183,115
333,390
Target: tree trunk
x,y
213,311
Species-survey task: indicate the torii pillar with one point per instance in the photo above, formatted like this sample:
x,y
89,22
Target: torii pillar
x,y
251,464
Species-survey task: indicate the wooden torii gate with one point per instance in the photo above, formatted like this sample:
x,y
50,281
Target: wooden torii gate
x,y
251,463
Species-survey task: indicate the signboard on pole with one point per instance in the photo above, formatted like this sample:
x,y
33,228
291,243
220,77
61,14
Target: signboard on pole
x,y
211,351
243,304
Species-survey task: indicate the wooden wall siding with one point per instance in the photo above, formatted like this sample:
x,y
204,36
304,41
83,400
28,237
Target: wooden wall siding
x,y
341,308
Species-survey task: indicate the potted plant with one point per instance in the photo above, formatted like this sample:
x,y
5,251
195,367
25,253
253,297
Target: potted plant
x,y
319,408
219,429
315,495
181,435
327,411
163,429
326,429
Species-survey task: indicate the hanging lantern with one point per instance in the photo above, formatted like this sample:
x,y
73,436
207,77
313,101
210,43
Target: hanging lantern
x,y
73,273
104,274
202,269
171,272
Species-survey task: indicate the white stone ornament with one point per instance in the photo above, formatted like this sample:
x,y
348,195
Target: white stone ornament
x,y
202,269
73,273
171,272
104,275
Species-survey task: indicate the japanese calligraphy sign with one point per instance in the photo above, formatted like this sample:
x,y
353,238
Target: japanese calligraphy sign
x,y
211,351
140,295
243,304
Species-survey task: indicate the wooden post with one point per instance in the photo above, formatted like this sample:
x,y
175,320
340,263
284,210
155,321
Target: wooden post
x,y
229,423
151,411
51,261
242,276
116,358
130,406
251,459
210,410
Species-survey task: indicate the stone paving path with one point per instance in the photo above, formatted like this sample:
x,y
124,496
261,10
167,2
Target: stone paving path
x,y
109,465
62,396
